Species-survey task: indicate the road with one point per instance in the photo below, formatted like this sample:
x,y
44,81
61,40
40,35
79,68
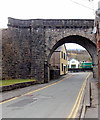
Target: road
x,y
54,100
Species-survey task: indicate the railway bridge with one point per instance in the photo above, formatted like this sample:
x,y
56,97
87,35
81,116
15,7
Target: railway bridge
x,y
29,44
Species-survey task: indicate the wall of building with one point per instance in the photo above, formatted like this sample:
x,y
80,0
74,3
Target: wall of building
x,y
97,25
59,58
55,60
63,62
0,54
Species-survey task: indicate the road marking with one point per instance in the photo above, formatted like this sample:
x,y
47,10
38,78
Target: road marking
x,y
9,100
78,100
36,90
75,113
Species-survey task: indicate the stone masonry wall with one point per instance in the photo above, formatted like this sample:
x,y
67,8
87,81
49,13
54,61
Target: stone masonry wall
x,y
16,53
37,54
23,53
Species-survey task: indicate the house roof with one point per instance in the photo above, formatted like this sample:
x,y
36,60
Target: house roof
x,y
60,48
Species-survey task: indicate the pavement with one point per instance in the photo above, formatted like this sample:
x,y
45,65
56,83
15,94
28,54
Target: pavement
x,y
92,111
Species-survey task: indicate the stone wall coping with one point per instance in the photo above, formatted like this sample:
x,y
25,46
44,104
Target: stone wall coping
x,y
58,23
17,86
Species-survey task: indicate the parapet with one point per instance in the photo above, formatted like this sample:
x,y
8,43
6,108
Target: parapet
x,y
51,23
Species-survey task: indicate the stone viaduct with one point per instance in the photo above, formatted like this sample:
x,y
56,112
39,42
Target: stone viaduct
x,y
29,44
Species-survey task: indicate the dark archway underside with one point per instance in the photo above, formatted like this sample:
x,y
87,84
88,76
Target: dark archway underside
x,y
84,42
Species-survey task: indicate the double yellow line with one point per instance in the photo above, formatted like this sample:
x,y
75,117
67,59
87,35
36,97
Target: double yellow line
x,y
35,90
78,100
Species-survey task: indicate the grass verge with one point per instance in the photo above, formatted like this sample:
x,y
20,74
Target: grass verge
x,y
14,81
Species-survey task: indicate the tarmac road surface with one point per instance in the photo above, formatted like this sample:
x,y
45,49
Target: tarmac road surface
x,y
59,99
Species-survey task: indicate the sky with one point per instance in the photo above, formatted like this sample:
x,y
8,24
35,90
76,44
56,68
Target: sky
x,y
74,46
46,9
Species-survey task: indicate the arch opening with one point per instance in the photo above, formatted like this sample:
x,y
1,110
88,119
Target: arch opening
x,y
82,41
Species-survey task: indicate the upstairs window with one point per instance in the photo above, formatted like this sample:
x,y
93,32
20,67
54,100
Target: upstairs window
x,y
61,54
64,56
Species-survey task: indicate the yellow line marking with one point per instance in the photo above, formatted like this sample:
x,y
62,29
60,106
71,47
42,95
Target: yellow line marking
x,y
35,90
76,102
9,100
78,99
75,113
43,88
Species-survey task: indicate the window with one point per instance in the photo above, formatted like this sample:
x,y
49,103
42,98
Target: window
x,y
64,56
62,66
61,54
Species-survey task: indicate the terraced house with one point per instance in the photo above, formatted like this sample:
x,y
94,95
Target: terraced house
x,y
59,61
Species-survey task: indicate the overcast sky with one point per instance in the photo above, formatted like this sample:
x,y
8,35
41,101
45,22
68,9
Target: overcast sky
x,y
47,9
54,9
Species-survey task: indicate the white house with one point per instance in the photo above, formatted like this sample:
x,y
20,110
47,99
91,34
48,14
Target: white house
x,y
73,63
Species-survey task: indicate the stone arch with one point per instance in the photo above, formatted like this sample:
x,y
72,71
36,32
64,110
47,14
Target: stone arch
x,y
84,42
